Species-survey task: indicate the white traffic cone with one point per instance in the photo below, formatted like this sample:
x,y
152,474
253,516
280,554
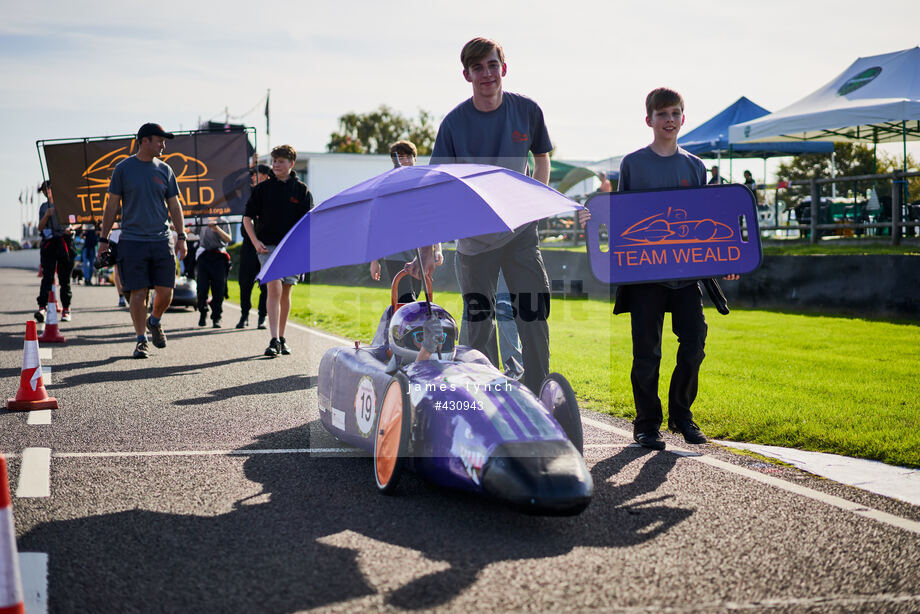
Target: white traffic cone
x,y
51,334
11,601
31,394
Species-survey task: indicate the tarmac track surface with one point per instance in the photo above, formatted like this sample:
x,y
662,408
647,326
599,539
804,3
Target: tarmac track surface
x,y
200,480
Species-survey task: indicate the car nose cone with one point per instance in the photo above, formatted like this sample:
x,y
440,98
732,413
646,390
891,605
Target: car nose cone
x,y
539,477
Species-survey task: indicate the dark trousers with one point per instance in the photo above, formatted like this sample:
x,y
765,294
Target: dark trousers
x,y
648,304
188,264
522,264
212,276
57,255
249,268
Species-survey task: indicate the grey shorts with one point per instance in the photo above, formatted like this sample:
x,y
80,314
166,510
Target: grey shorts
x,y
146,264
290,280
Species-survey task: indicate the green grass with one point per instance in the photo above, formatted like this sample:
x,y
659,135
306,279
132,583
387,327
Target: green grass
x,y
831,384
847,247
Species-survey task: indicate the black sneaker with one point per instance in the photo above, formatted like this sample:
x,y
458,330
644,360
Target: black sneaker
x,y
40,315
216,323
273,349
203,318
141,350
243,323
156,334
690,431
649,439
285,348
261,325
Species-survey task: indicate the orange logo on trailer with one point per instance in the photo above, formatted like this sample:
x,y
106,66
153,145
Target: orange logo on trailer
x,y
188,170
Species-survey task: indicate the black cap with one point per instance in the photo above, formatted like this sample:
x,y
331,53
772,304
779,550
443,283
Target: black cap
x,y
153,130
262,168
45,185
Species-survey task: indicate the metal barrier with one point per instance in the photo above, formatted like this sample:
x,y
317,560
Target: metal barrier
x,y
896,224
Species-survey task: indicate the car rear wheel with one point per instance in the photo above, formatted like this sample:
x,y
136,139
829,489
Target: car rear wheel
x,y
557,396
391,441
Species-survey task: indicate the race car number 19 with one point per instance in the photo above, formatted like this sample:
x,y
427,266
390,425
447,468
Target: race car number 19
x,y
365,405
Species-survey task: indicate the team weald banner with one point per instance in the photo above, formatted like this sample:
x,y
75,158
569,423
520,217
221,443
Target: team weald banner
x,y
212,170
666,235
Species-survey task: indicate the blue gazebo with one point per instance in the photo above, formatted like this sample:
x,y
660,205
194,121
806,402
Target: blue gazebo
x,y
710,139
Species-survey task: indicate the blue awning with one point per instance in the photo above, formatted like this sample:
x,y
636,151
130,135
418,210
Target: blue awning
x,y
710,139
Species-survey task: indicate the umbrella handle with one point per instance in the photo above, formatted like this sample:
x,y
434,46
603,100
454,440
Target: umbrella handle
x,y
394,292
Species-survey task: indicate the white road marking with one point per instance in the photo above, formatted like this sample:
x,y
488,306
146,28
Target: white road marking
x,y
849,603
34,569
46,375
341,340
838,502
35,473
39,416
44,353
205,453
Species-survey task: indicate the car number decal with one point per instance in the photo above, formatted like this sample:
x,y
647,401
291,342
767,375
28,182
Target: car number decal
x,y
365,405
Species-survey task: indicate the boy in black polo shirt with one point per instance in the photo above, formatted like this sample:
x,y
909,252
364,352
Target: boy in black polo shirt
x,y
273,208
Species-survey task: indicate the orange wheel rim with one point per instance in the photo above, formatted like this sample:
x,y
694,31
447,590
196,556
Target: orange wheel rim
x,y
389,431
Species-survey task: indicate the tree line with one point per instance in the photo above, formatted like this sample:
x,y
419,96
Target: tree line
x,y
374,132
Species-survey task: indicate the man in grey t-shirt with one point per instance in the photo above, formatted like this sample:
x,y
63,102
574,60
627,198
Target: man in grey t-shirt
x,y
500,128
146,190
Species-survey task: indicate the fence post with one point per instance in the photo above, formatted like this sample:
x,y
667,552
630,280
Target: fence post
x,y
896,209
814,210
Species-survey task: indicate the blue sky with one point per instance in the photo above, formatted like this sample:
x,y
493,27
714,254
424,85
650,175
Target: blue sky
x,y
98,68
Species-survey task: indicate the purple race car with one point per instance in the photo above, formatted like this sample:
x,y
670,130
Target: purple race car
x,y
455,420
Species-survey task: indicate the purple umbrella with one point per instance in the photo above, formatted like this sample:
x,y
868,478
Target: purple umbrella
x,y
410,207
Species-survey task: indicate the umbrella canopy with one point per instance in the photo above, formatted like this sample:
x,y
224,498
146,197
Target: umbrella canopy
x,y
710,139
409,207
875,100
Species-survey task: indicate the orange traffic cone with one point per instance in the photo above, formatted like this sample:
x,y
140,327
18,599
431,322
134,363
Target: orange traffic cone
x,y
51,334
31,394
11,601
60,305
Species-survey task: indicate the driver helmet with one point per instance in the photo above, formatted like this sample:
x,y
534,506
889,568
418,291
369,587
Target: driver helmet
x,y
405,331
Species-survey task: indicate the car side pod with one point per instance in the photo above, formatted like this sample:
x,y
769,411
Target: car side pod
x,y
547,478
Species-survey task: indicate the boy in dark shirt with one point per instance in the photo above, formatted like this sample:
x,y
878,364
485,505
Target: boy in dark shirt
x,y
249,263
273,208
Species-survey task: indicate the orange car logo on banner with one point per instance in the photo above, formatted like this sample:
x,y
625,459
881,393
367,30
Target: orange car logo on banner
x,y
98,175
674,227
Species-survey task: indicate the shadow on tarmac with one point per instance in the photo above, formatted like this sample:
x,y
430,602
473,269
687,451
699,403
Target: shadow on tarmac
x,y
290,383
272,553
121,374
